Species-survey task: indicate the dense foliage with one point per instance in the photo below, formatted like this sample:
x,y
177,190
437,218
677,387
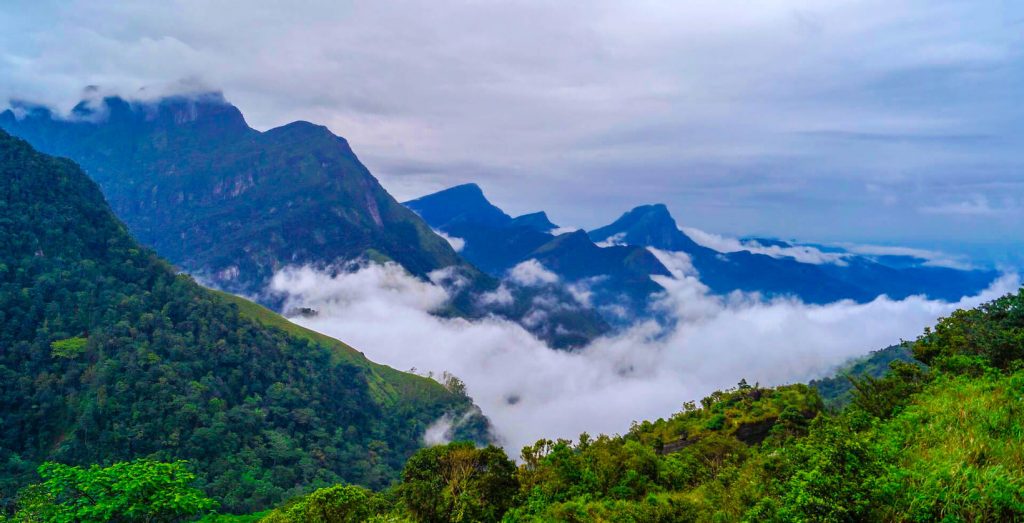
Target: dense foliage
x,y
944,442
193,181
107,355
140,490
837,391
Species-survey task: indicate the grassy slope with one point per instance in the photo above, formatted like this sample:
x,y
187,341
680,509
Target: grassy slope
x,y
388,386
958,450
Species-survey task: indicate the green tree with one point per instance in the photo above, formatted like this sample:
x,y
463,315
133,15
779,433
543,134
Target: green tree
x,y
459,483
337,504
140,490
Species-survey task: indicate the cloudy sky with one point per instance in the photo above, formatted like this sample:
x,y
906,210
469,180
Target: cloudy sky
x,y
894,122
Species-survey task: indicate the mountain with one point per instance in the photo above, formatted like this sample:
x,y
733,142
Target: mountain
x,y
648,225
107,354
229,203
537,221
462,204
616,280
232,205
859,278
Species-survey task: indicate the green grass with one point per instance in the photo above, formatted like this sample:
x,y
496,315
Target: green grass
x,y
388,385
959,451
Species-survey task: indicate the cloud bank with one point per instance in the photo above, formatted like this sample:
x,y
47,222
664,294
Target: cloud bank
x,y
801,253
530,391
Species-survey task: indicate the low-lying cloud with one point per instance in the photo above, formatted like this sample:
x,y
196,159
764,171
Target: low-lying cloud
x,y
457,243
531,273
801,253
530,391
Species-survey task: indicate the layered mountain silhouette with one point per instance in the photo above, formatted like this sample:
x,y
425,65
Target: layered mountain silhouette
x,y
232,205
616,256
616,278
859,278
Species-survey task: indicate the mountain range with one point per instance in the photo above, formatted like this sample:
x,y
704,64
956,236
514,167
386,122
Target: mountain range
x,y
232,205
615,262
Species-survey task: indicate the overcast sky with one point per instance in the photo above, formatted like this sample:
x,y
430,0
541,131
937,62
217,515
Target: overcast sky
x,y
896,121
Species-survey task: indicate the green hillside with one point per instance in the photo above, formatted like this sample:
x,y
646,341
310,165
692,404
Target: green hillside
x,y
938,443
389,386
220,199
107,355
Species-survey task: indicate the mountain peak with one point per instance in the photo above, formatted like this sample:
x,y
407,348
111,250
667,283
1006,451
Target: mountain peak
x,y
459,204
648,225
537,221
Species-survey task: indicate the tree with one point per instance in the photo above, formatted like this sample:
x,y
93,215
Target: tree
x,y
459,482
337,504
140,490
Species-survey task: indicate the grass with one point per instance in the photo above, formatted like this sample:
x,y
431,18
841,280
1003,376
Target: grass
x,y
960,450
388,385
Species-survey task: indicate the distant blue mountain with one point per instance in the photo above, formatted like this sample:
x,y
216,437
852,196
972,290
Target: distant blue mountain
x,y
537,221
859,278
617,278
496,242
458,205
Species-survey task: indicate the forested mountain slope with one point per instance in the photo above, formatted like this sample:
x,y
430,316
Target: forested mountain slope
x,y
106,354
222,200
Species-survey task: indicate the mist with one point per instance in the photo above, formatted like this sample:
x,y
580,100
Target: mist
x,y
530,391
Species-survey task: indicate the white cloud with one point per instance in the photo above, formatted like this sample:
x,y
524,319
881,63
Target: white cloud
x,y
500,297
558,231
931,258
611,241
582,290
977,205
531,273
678,264
457,243
801,253
530,391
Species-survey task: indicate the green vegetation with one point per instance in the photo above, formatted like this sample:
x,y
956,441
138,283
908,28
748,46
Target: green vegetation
x,y
107,355
937,443
140,490
209,193
110,358
837,391
68,348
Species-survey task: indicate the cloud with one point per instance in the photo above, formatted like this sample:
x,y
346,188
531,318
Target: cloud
x,y
500,297
611,241
801,253
531,273
457,243
978,205
931,258
530,391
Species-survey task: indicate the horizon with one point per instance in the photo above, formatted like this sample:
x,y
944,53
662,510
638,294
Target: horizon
x,y
996,255
894,124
